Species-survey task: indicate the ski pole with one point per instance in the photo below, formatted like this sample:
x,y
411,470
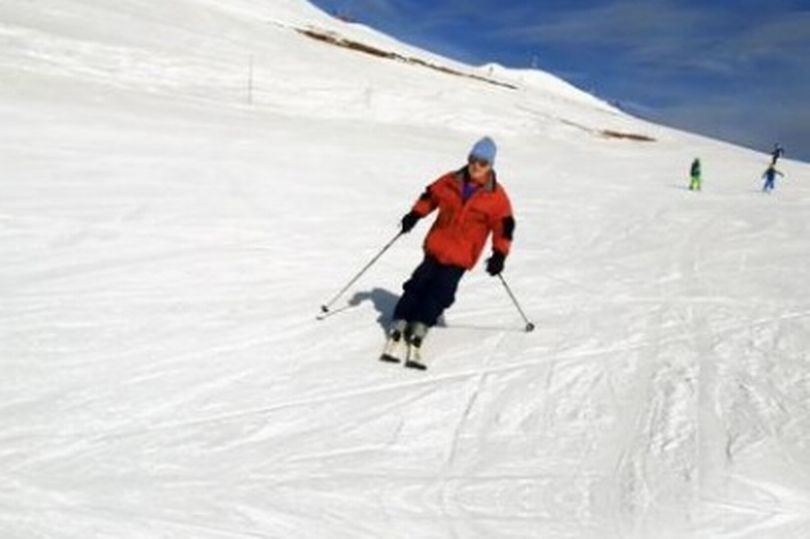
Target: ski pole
x,y
325,307
529,325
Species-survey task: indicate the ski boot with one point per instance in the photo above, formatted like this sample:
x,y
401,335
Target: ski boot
x,y
395,348
416,336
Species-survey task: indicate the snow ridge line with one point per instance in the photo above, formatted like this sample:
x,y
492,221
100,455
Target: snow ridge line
x,y
332,38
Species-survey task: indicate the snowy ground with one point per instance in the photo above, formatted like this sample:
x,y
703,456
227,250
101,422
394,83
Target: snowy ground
x,y
167,236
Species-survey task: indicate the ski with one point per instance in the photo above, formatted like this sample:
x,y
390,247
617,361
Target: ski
x,y
389,358
411,364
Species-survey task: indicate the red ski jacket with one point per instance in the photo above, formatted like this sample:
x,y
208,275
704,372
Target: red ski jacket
x,y
460,231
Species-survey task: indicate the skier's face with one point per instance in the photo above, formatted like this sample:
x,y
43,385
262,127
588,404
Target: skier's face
x,y
479,169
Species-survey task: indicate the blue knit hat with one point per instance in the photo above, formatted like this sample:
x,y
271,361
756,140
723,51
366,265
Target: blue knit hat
x,y
484,149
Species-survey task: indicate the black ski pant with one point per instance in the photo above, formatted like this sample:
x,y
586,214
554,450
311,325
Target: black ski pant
x,y
430,290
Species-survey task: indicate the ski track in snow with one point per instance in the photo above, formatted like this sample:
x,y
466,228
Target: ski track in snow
x,y
166,245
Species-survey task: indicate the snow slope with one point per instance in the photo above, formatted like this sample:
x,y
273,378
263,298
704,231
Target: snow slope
x,y
169,228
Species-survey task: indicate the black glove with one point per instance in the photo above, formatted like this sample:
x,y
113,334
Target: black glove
x,y
409,221
495,263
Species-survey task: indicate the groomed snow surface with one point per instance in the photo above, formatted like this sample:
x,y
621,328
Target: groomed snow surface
x,y
170,224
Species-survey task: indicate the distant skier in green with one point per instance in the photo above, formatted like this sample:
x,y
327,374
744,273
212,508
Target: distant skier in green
x,y
770,178
694,174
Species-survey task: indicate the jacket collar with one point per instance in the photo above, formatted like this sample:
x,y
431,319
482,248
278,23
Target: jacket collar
x,y
463,175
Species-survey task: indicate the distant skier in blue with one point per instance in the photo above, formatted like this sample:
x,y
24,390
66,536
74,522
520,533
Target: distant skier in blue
x,y
777,152
770,177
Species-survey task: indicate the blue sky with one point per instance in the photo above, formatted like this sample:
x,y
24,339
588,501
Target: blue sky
x,y
732,69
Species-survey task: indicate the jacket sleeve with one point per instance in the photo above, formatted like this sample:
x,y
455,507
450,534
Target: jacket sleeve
x,y
427,201
503,226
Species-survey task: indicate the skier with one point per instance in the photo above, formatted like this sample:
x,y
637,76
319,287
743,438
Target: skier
x,y
471,204
770,177
694,174
777,152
